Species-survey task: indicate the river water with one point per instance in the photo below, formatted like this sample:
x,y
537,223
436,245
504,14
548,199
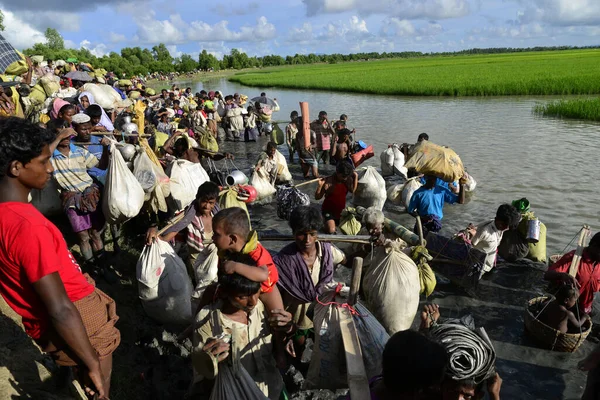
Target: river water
x,y
511,152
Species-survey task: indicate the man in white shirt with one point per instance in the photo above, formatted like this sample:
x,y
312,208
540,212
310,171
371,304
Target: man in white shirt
x,y
488,235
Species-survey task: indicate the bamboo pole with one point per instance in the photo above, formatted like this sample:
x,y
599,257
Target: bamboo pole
x,y
276,236
307,182
420,230
357,265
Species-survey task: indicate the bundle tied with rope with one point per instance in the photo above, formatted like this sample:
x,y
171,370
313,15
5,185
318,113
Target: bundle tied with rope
x,y
471,354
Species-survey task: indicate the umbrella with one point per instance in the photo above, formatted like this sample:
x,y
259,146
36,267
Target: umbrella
x,y
8,54
79,76
264,100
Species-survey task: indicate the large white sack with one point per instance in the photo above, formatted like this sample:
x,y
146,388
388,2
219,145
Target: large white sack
x,y
123,195
387,162
47,201
163,284
391,285
111,93
185,179
100,97
471,184
205,269
143,172
409,188
371,189
394,193
51,84
264,189
399,168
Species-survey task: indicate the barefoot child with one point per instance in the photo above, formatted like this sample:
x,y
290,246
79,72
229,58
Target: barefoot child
x,y
231,235
335,188
557,315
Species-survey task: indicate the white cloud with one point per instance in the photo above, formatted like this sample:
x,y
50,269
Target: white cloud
x,y
173,51
406,9
560,12
98,50
405,28
20,33
203,32
301,35
152,31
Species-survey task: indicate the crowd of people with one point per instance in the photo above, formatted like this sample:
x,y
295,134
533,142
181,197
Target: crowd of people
x,y
257,308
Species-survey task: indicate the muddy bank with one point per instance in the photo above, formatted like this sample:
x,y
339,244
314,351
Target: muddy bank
x,y
151,363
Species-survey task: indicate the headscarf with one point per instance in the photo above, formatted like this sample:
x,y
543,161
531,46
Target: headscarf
x,y
58,104
104,120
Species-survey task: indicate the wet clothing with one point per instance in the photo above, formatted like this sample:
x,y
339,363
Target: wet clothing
x,y
431,201
588,277
31,247
335,202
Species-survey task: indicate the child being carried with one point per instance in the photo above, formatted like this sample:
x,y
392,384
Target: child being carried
x,y
557,315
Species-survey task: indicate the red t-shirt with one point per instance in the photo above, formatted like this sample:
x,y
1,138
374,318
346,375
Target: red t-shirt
x,y
588,277
263,257
31,247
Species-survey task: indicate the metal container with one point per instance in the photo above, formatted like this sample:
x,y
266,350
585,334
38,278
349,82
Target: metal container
x,y
533,230
236,177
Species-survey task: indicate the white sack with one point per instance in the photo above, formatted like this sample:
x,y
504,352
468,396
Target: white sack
x,y
394,193
387,162
100,96
264,189
205,270
123,195
399,168
391,285
409,188
371,189
163,284
283,172
143,171
186,177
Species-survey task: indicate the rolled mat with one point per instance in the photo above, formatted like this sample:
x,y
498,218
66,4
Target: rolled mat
x,y
470,353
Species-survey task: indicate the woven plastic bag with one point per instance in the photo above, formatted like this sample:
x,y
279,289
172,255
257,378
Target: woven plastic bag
x,y
392,286
408,190
288,199
264,189
163,284
229,198
349,225
370,191
387,162
143,171
431,159
327,369
283,172
185,179
123,195
394,193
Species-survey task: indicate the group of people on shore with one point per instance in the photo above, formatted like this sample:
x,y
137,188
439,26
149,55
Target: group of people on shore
x,y
259,306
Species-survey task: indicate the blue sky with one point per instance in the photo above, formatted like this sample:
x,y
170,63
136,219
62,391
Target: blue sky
x,y
287,27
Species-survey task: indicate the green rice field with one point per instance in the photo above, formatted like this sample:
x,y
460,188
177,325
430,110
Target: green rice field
x,y
586,109
569,72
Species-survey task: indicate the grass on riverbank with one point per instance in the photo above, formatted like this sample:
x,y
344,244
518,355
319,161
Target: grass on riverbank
x,y
585,109
536,73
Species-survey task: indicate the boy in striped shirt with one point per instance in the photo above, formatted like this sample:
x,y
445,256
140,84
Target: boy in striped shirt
x,y
80,195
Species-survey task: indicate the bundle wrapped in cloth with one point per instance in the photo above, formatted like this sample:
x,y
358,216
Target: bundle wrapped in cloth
x,y
431,159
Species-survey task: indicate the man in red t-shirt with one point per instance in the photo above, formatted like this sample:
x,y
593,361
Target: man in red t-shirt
x,y
587,279
39,278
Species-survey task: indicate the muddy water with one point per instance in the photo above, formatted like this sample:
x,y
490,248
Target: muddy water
x,y
511,152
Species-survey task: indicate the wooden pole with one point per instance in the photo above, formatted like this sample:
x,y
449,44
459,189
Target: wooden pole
x,y
307,182
357,374
355,281
276,236
420,229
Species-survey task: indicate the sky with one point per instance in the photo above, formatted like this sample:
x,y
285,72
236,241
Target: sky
x,y
287,27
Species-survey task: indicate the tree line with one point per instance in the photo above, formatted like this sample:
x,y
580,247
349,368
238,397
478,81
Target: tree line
x,y
141,62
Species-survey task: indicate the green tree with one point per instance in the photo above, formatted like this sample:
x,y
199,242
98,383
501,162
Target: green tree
x,y
54,39
161,53
1,21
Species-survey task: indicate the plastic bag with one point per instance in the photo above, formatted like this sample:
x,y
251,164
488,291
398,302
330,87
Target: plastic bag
x,y
50,85
207,141
431,159
409,188
100,96
387,162
205,270
264,189
240,386
163,284
371,189
185,179
327,369
471,184
394,193
398,160
123,195
229,199
143,171
537,251
47,201
392,286
349,225
288,199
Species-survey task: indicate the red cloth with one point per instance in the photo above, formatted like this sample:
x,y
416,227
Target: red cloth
x,y
263,258
588,277
31,247
336,201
